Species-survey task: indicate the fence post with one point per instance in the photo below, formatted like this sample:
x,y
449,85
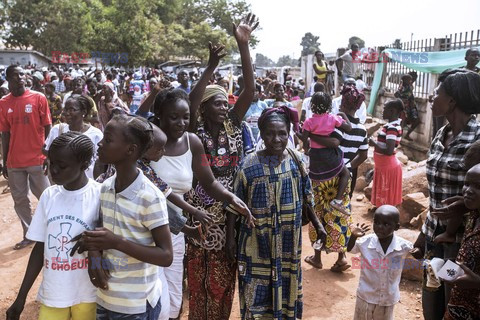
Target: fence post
x,y
432,84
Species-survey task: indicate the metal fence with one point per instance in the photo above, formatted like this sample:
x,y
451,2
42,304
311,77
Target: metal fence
x,y
395,70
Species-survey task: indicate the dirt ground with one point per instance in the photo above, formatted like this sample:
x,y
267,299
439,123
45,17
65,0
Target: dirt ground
x,y
327,295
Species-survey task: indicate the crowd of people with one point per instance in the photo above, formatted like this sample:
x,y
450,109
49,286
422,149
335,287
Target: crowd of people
x,y
141,176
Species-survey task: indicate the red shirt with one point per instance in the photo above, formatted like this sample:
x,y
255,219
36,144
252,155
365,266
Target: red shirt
x,y
25,118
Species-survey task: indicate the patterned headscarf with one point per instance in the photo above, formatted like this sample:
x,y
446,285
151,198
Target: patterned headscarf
x,y
351,96
290,114
212,91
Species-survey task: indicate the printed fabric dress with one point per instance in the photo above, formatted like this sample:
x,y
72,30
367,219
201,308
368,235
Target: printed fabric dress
x,y
269,255
211,278
465,303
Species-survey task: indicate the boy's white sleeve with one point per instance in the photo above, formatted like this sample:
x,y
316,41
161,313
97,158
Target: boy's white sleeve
x,y
359,243
38,227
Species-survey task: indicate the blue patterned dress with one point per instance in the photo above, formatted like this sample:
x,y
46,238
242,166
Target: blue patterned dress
x,y
269,255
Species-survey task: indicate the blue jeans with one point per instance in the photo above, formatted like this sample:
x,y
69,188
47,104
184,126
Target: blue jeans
x,y
150,314
435,300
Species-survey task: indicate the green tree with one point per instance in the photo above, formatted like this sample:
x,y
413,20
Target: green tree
x,y
309,44
148,30
67,26
397,44
357,40
284,61
263,61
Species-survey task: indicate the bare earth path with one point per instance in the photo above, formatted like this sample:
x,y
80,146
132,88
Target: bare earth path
x,y
327,295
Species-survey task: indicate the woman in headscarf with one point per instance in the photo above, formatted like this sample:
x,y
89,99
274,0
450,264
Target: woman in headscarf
x,y
269,255
211,263
108,102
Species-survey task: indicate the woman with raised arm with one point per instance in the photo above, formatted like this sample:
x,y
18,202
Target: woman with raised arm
x,y
211,263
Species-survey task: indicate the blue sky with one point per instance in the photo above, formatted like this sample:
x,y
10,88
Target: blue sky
x,y
284,22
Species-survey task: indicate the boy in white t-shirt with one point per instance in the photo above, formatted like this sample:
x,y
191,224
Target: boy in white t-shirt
x,y
64,211
382,256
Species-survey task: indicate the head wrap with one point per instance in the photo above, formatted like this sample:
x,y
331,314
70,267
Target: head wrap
x,y
38,75
351,96
111,87
212,91
290,113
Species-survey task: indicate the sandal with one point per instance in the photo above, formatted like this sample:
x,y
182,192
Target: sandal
x,y
6,190
309,260
339,267
22,244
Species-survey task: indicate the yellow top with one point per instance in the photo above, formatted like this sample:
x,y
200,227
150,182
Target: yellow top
x,y
322,67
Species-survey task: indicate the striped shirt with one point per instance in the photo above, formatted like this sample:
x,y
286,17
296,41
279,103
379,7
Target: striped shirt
x,y
353,141
131,214
446,172
390,131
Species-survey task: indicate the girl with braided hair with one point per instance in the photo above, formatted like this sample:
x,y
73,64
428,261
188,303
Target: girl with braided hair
x,y
64,211
76,110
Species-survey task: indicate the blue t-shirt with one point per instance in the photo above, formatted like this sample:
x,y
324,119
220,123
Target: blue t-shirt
x,y
252,115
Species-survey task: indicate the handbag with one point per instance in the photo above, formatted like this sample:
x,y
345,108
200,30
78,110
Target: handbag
x,y
306,207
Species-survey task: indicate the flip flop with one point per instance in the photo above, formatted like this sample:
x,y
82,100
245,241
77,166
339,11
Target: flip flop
x,y
309,260
22,244
339,268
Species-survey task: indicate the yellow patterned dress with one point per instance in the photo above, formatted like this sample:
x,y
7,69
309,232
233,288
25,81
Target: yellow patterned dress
x,y
269,255
336,224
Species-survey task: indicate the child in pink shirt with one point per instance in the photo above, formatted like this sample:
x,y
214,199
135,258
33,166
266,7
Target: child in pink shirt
x,y
326,161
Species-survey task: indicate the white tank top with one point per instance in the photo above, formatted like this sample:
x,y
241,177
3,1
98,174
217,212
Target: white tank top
x,y
176,171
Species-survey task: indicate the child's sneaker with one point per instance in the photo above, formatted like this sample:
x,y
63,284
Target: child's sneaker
x,y
338,205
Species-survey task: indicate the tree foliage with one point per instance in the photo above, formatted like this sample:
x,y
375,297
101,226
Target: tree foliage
x,y
149,31
309,44
357,40
263,61
284,61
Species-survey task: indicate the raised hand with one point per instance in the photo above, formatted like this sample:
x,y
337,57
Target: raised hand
x,y
243,30
216,53
163,83
360,230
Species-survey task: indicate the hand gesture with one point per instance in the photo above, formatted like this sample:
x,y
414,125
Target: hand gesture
x,y
98,274
13,313
469,280
98,240
243,30
163,83
371,142
216,53
203,217
359,230
242,208
454,206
